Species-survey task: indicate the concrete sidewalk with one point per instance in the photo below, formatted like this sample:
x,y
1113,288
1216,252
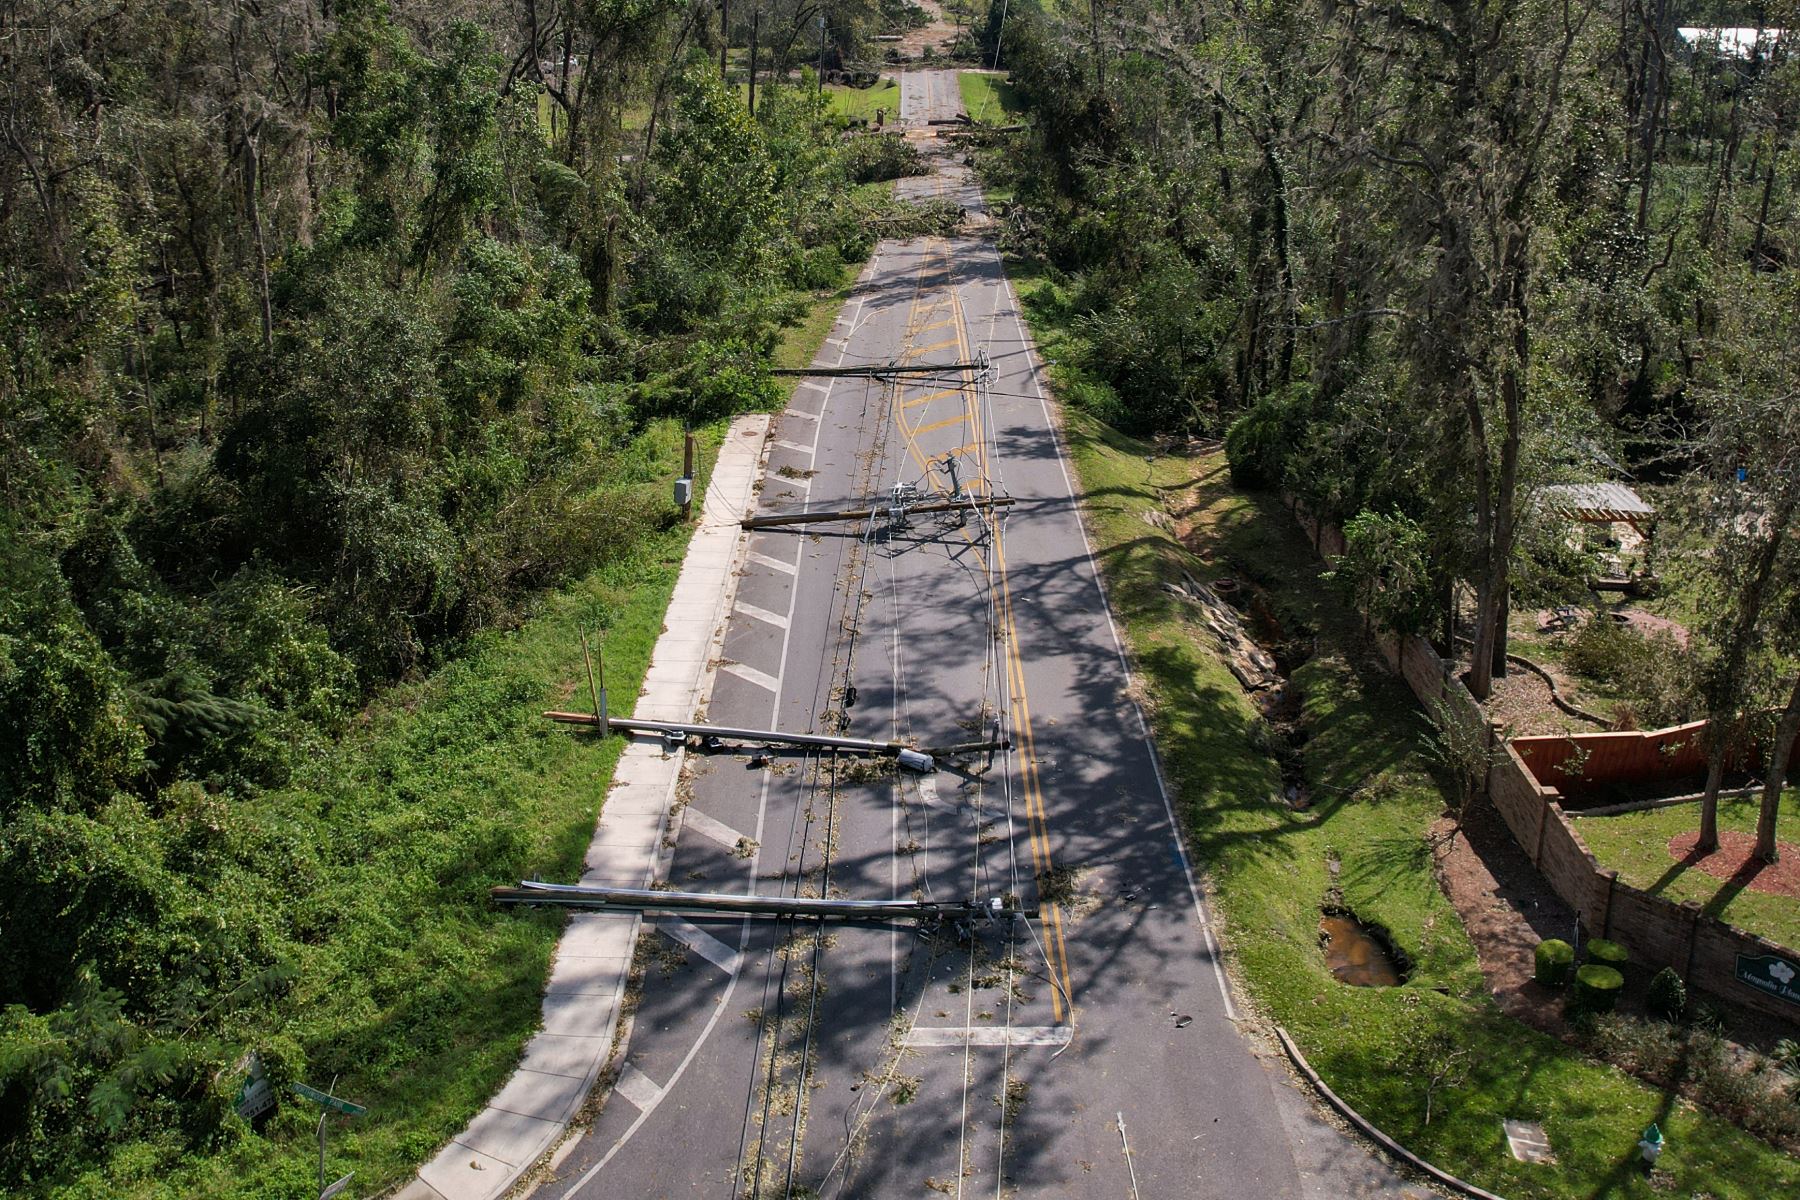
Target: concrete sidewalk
x,y
581,1005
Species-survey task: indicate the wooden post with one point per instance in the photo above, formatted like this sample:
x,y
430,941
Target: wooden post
x,y
687,473
755,20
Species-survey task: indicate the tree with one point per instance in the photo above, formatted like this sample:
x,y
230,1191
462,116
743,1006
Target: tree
x,y
1775,776
1386,572
1753,398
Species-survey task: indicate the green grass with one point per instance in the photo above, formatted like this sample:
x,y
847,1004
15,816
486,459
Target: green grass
x,y
1637,846
414,992
1268,865
852,103
988,98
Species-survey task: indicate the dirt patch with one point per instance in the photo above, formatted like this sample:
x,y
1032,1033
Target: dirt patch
x,y
1507,907
1520,704
1732,862
1650,625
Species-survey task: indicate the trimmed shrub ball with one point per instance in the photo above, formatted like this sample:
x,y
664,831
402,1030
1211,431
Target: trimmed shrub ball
x,y
1597,988
1607,954
1555,958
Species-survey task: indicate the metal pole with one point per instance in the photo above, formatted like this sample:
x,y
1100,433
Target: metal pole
x,y
817,740
654,899
819,82
881,370
860,514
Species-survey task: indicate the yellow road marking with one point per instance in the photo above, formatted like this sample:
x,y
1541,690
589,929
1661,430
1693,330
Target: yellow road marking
x,y
958,419
1037,816
930,396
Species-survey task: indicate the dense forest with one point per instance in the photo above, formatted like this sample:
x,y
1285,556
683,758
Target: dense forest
x,y
334,332
337,332
1417,262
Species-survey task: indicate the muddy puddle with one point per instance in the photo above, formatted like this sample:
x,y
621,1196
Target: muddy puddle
x,y
1358,954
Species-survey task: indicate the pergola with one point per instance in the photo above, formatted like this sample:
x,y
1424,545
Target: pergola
x,y
1600,504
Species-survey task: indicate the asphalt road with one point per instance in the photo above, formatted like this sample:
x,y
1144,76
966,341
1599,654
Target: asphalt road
x,y
1090,1052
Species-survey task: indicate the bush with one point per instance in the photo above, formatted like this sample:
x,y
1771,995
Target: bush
x,y
1258,443
1656,675
876,158
1555,957
1597,988
1667,996
1606,953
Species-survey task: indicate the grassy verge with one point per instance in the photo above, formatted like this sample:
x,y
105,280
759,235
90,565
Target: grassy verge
x,y
413,992
1637,846
1270,866
852,103
988,97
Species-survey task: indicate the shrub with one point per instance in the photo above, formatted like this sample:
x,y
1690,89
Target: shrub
x,y
1606,953
1597,988
875,158
1656,676
1667,996
1258,443
1555,957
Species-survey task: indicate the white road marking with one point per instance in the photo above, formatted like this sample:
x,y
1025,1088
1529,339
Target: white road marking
x,y
813,384
1062,462
774,564
762,614
638,1088
761,679
799,412
702,943
983,1035
928,795
795,446
692,818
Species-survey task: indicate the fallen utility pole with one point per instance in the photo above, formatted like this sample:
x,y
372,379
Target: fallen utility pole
x,y
907,756
863,514
881,370
655,900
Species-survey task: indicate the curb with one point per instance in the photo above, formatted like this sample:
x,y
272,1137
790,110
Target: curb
x,y
583,996
1379,1138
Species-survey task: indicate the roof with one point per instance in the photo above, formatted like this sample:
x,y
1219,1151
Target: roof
x,y
1740,41
1597,502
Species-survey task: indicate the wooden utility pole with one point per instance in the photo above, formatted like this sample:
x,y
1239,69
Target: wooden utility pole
x,y
755,20
724,40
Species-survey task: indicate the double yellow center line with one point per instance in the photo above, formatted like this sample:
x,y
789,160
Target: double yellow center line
x,y
1037,818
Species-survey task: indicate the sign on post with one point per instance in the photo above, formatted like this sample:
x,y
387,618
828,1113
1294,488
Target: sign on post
x,y
1771,974
255,1097
326,1100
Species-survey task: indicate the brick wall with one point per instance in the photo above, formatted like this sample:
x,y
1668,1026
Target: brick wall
x,y
1658,932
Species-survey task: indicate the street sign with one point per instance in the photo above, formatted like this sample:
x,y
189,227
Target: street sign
x,y
327,1101
1767,973
335,1188
255,1097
